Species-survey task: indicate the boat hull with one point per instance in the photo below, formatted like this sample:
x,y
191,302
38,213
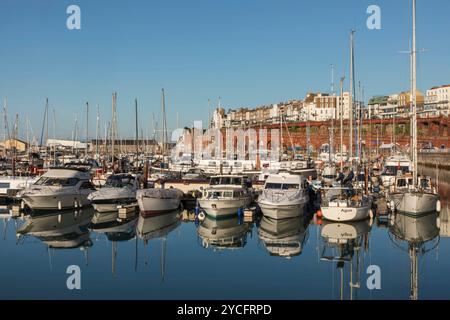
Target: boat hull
x,y
413,202
111,205
155,206
346,213
56,202
223,207
276,211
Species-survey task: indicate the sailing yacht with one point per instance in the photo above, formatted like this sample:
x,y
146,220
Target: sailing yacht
x,y
416,199
284,196
347,202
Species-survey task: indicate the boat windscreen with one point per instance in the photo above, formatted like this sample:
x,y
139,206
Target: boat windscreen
x,y
68,182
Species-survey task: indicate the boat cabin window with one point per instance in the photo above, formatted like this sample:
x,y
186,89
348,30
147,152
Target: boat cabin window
x,y
284,186
228,194
62,182
236,181
424,183
214,194
273,186
238,164
290,186
214,181
212,164
393,170
119,182
401,183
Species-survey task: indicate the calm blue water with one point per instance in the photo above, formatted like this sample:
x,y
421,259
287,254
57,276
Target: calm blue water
x,y
166,258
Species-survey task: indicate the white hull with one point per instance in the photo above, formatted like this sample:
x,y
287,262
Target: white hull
x,y
223,207
276,211
56,201
346,213
108,207
157,201
414,202
153,205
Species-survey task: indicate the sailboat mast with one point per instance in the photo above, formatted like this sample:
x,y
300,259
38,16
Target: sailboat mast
x,y
352,93
97,132
113,129
331,147
414,92
87,129
341,115
164,123
136,125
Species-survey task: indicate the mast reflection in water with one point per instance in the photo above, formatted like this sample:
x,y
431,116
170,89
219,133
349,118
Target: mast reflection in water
x,y
163,257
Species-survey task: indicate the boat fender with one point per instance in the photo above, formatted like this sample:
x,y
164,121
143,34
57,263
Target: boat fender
x,y
201,216
59,205
22,204
197,210
59,218
75,203
438,206
240,211
371,214
319,214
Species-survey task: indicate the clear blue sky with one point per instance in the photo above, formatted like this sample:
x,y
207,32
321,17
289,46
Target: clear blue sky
x,y
249,52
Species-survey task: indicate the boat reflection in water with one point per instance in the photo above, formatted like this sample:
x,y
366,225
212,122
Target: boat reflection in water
x,y
5,216
226,233
416,235
158,226
343,244
285,237
59,229
115,230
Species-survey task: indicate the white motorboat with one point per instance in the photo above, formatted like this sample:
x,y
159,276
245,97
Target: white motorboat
x,y
394,166
348,205
59,188
227,233
283,238
119,190
284,196
226,195
158,201
10,186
